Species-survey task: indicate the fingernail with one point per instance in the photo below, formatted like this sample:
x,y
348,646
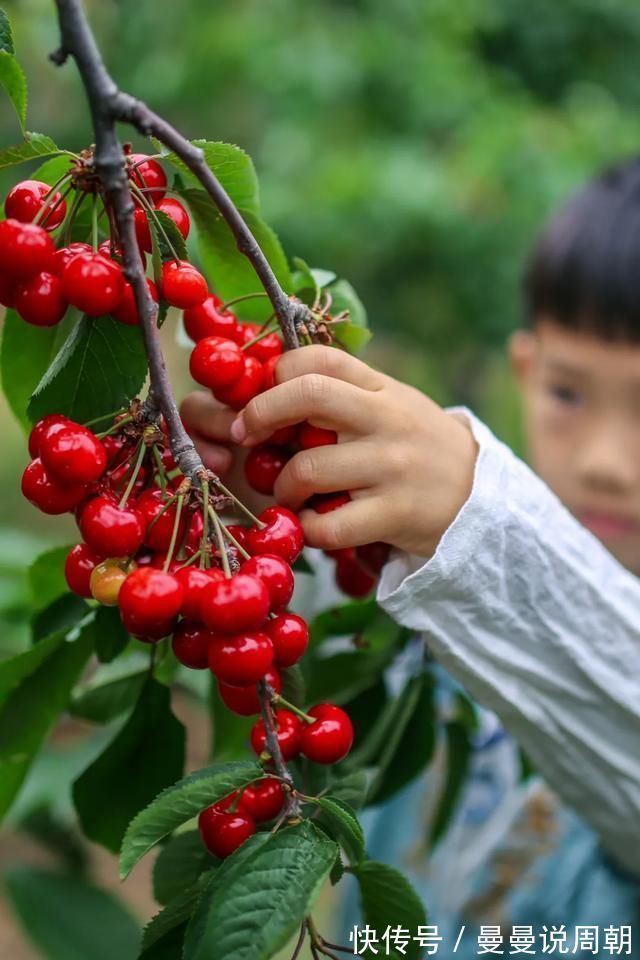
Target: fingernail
x,y
238,430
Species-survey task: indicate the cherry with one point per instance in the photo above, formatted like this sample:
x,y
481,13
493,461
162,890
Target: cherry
x,y
117,448
352,578
327,502
277,576
119,474
182,285
235,604
263,800
111,530
195,581
106,582
159,519
248,386
8,288
78,567
237,532
25,249
53,421
373,556
216,363
310,436
47,494
65,254
195,530
174,209
248,332
269,376
288,727
73,454
289,635
40,300
149,601
93,284
208,320
190,645
148,175
281,534
263,466
25,201
223,833
244,700
127,311
158,561
283,437
240,659
264,350
328,739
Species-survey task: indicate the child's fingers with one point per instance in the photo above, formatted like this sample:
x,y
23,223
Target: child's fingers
x,y
329,362
214,456
358,522
344,466
207,417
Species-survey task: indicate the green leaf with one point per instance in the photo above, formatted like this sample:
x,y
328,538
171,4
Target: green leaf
x,y
174,236
179,803
293,684
28,710
53,169
69,919
345,298
105,702
233,168
179,864
6,35
168,946
175,915
344,620
351,789
353,338
230,731
62,615
100,367
389,900
457,761
109,635
46,577
337,871
34,145
151,746
302,565
342,823
245,916
14,82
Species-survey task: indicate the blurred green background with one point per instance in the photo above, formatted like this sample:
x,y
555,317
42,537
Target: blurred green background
x,y
413,147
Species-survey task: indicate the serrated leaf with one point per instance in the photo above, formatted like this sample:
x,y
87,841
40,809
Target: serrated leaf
x,y
351,789
337,871
100,367
105,702
167,947
35,145
179,803
245,916
46,577
6,35
151,743
169,239
65,613
70,919
232,166
14,82
109,635
175,914
389,900
342,823
179,864
458,757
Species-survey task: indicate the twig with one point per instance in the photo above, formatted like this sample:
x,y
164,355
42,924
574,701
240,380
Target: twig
x,y
300,941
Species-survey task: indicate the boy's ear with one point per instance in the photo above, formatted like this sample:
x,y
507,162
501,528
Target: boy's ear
x,y
522,349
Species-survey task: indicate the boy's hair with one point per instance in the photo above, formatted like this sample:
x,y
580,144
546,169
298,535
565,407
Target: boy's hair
x,y
584,269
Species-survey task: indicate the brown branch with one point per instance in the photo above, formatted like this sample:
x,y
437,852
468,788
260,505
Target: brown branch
x,y
273,746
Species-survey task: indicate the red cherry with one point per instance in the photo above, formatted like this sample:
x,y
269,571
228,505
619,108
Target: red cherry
x,y
174,209
148,175
159,519
195,581
329,738
223,833
263,466
282,534
73,454
25,201
50,495
143,231
289,635
237,532
244,700
269,376
65,254
40,300
127,312
158,561
265,349
93,284
277,576
149,599
352,578
207,320
110,250
240,659
182,285
80,563
216,363
117,448
8,289
119,474
50,423
283,437
25,249
111,530
193,539
248,386
263,800
373,556
288,730
235,604
327,502
247,332
310,436
190,645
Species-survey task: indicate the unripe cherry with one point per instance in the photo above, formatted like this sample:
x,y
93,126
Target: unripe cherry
x,y
329,738
106,582
288,727
289,635
78,567
40,300
47,494
245,700
240,659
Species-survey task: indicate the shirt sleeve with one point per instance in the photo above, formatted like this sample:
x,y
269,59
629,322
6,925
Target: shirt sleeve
x,y
542,625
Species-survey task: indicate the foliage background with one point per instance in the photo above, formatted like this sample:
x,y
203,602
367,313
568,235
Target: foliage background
x,y
413,147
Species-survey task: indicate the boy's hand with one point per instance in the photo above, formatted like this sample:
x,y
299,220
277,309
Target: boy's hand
x,y
407,464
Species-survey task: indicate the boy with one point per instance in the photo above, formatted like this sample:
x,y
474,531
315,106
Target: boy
x,y
521,603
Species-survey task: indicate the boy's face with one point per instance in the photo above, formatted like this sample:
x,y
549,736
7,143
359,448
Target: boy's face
x,y
582,417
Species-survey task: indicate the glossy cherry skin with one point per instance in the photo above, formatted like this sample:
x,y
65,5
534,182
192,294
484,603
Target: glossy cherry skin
x,y
78,567
244,700
149,599
235,604
282,534
289,635
65,254
265,349
310,436
93,284
182,285
190,644
159,519
73,454
277,576
263,466
25,201
47,494
106,583
25,249
330,737
328,502
53,421
8,289
352,578
223,833
240,659
111,530
148,175
263,800
127,311
195,581
216,363
207,320
284,437
40,300
288,731
248,386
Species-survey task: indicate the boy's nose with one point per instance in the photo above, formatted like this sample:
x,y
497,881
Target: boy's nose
x,y
609,461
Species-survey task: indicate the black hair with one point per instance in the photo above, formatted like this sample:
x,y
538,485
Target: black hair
x,y
584,270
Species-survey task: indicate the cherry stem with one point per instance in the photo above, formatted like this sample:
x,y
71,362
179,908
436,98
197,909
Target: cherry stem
x,y
114,429
281,702
245,296
71,216
94,224
220,485
154,216
205,522
172,499
221,544
190,562
162,475
174,534
142,449
230,537
268,330
108,416
47,208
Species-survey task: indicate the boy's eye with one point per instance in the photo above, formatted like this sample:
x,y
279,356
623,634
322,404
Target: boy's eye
x,y
566,395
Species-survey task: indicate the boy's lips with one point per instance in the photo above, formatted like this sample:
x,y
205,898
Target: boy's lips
x,y
608,526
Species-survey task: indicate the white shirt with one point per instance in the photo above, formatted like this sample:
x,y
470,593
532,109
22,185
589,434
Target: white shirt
x,y
541,624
